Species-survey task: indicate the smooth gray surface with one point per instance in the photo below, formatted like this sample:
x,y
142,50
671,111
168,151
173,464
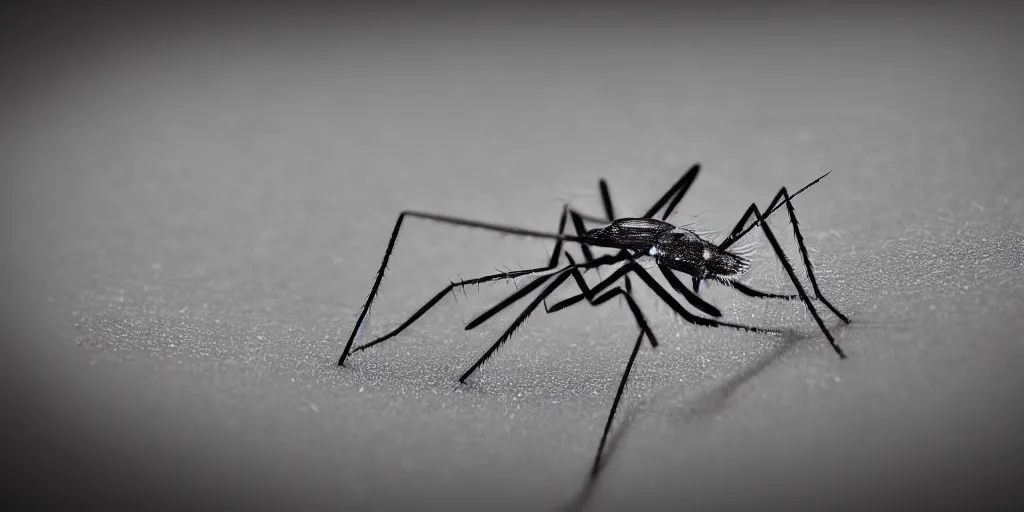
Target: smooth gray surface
x,y
196,213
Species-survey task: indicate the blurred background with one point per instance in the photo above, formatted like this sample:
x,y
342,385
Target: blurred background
x,y
196,197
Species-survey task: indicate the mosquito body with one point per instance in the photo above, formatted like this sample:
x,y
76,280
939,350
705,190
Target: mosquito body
x,y
675,247
671,248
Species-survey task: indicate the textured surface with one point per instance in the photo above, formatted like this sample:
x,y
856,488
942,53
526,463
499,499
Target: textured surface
x,y
201,209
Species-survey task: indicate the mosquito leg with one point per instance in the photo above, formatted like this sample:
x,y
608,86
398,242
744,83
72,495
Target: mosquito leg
x,y
609,212
524,291
591,295
675,193
792,276
738,231
566,211
590,262
645,329
440,295
564,274
746,290
641,321
615,404
587,291
784,197
665,296
635,268
758,294
678,197
577,223
606,200
690,297
807,259
444,219
560,278
624,271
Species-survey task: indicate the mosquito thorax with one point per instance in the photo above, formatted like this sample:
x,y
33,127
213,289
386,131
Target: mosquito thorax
x,y
638,234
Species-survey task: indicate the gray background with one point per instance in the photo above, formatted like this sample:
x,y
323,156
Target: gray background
x,y
196,199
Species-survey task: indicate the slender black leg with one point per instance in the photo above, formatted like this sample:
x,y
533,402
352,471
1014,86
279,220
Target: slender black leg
x,y
661,292
631,266
511,230
682,312
807,259
675,193
589,294
566,211
758,294
751,292
645,329
690,297
440,295
595,300
536,282
783,197
678,197
738,231
641,320
560,278
606,200
590,261
624,272
609,212
792,276
586,291
577,223
493,277
615,405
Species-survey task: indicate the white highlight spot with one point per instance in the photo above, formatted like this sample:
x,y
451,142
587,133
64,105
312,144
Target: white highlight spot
x,y
706,254
654,251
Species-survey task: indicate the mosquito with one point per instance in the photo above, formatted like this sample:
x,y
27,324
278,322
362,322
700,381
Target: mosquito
x,y
672,248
